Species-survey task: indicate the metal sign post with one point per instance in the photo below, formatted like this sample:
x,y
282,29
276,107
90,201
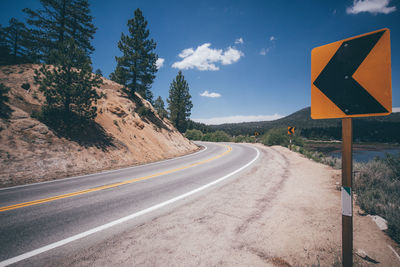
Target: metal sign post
x,y
347,196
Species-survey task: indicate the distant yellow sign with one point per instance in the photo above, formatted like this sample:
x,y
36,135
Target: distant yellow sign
x,y
352,77
290,130
256,133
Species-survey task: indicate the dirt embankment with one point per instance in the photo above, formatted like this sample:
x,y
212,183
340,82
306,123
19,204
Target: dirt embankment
x,y
30,151
284,210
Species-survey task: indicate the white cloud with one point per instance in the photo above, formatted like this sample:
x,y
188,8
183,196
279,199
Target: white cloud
x,y
230,56
264,51
212,94
396,109
371,6
206,58
160,62
186,53
238,118
239,41
272,38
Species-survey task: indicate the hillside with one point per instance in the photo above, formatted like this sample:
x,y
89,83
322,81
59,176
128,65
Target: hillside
x,y
380,129
31,151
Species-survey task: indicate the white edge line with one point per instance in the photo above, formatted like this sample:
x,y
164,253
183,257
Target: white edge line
x,y
121,220
103,172
394,251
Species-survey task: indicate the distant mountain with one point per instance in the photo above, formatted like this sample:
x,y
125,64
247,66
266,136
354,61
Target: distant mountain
x,y
299,119
379,129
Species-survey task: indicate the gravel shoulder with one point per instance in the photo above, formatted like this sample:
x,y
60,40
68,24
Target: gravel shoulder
x,y
284,210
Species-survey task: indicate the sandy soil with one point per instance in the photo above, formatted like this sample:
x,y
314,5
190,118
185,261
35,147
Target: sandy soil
x,y
282,211
31,152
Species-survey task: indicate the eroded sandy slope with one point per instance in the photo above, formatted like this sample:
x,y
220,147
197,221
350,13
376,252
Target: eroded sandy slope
x,y
30,151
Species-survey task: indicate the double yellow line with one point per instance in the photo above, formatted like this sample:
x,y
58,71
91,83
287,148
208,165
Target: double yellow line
x,y
94,189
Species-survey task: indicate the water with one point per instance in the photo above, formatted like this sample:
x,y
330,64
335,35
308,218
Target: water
x,y
367,155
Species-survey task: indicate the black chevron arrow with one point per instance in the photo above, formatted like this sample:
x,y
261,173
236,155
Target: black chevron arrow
x,y
336,80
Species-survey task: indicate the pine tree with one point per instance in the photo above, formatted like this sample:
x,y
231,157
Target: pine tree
x,y
5,52
69,86
60,20
82,29
15,43
99,72
137,66
160,108
119,75
179,102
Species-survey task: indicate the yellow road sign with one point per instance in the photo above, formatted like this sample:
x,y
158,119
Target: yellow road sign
x,y
352,77
290,130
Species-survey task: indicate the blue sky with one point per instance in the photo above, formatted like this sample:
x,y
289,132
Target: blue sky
x,y
243,60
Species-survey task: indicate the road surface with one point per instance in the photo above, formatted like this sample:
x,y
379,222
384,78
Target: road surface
x,y
40,219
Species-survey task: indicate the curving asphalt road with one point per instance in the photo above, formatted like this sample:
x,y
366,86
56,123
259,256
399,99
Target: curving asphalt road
x,y
39,220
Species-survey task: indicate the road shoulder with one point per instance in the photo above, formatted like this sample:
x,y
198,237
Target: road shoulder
x,y
282,211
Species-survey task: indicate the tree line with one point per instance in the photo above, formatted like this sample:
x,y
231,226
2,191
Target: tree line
x,y
368,129
59,36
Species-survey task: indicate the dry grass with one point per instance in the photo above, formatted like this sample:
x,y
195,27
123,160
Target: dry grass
x,y
376,183
378,188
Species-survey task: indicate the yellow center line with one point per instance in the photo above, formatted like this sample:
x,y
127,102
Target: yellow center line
x,y
94,189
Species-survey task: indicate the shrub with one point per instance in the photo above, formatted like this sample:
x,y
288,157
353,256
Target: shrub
x,y
280,137
37,114
276,136
218,136
244,139
207,137
3,93
5,110
297,140
316,156
393,218
221,136
26,86
143,111
194,134
240,139
377,186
